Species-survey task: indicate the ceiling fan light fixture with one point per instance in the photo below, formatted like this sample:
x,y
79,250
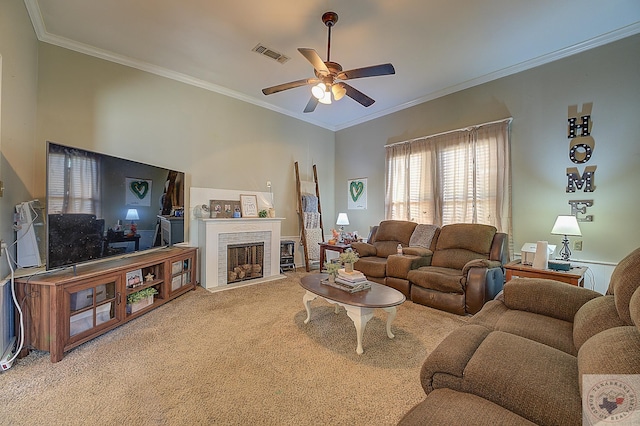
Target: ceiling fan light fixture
x,y
326,98
338,91
319,90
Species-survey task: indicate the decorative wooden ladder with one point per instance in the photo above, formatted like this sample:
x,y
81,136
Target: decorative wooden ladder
x,y
303,234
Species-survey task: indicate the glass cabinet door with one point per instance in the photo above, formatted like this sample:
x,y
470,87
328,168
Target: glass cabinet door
x,y
91,307
181,274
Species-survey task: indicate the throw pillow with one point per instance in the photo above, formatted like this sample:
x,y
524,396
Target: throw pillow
x,y
422,236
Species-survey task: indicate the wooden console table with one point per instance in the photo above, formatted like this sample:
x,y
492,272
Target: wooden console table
x,y
574,276
65,308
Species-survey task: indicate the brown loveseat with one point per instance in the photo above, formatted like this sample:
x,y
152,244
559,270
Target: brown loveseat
x,y
529,356
456,268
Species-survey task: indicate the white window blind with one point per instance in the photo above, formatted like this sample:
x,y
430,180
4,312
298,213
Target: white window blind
x,y
454,177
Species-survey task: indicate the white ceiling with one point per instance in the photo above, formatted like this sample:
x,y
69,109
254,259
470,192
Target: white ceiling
x,y
436,46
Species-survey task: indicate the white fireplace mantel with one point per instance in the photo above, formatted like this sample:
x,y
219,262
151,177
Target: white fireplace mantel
x,y
213,235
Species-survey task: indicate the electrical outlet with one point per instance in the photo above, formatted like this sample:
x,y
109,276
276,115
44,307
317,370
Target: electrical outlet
x,y
577,245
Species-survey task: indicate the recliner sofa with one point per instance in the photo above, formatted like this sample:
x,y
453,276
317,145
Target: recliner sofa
x,y
456,268
530,356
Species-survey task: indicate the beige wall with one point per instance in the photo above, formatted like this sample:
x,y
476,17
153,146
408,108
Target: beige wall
x,y
538,101
224,143
18,58
218,141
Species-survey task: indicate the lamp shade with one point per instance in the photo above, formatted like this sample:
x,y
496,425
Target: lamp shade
x,y
566,225
342,219
132,214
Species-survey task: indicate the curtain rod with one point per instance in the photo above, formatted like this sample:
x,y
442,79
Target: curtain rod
x,y
509,120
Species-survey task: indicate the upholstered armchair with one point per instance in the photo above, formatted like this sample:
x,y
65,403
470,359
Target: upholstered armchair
x,y
466,269
378,256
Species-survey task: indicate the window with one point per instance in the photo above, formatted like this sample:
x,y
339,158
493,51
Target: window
x,y
455,177
73,181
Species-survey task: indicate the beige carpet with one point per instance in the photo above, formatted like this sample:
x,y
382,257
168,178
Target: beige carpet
x,y
242,356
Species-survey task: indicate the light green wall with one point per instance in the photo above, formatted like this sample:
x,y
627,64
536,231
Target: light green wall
x,y
18,58
219,142
538,100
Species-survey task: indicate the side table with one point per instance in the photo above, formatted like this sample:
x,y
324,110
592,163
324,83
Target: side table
x,y
340,248
574,276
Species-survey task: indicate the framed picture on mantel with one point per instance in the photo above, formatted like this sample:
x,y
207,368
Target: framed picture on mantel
x,y
249,205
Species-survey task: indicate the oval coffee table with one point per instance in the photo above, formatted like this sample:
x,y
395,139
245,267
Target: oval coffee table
x,y
359,305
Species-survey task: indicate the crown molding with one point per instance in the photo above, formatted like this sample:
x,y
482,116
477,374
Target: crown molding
x,y
44,36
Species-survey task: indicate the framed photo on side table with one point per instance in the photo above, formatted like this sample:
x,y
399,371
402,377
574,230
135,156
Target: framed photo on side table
x,y
249,205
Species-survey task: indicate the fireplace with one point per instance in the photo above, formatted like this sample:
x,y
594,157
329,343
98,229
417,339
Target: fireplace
x,y
244,262
216,235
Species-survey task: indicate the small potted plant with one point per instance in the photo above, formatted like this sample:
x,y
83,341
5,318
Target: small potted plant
x,y
140,299
348,258
331,269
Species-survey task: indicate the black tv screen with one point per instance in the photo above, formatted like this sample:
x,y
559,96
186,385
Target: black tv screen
x,y
101,206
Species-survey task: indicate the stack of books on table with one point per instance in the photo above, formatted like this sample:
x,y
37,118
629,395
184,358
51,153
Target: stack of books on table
x,y
355,280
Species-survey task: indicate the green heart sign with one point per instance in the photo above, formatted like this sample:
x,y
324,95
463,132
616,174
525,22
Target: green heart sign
x,y
355,190
140,188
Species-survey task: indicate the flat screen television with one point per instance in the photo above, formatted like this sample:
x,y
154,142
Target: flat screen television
x,y
101,206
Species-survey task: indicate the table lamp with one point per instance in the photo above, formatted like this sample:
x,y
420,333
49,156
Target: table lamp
x,y
566,225
342,221
132,214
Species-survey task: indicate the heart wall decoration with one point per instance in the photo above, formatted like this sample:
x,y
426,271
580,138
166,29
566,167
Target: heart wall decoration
x,y
138,192
357,194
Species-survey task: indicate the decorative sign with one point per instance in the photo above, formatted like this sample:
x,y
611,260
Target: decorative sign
x,y
580,206
138,192
249,205
357,194
581,146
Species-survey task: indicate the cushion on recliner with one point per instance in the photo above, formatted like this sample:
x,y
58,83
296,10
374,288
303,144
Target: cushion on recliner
x,y
596,315
372,266
386,248
449,407
546,297
531,379
624,282
459,243
445,280
395,230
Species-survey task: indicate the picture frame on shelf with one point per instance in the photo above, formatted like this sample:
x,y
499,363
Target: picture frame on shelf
x,y
249,205
134,278
223,208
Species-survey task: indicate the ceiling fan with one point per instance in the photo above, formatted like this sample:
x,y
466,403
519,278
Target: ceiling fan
x,y
330,78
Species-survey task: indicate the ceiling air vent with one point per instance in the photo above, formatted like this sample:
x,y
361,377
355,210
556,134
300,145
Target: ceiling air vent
x,y
270,53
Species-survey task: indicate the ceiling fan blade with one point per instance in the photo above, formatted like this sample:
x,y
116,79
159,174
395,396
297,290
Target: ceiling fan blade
x,y
357,95
291,85
372,71
311,105
315,59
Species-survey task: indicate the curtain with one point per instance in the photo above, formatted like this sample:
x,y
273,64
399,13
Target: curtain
x,y
74,182
462,176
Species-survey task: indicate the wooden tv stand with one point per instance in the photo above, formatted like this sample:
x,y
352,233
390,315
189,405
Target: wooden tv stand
x,y
63,309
